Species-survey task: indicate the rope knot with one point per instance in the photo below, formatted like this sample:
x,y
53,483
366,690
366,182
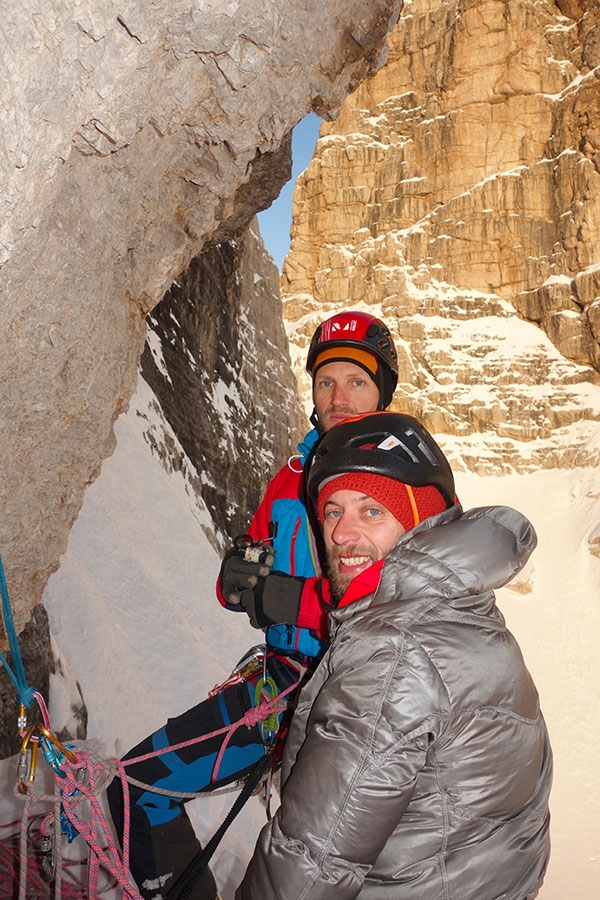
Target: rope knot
x,y
258,713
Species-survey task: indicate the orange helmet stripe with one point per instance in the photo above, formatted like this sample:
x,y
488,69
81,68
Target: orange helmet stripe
x,y
361,356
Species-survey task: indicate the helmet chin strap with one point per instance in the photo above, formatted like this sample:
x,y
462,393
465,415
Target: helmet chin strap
x,y
314,421
381,385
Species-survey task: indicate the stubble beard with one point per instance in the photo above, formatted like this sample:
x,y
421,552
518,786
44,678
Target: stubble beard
x,y
338,581
336,410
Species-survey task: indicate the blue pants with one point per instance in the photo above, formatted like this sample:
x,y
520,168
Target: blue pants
x,y
162,839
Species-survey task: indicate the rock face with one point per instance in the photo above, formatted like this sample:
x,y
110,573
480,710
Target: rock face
x,y
131,139
224,382
457,194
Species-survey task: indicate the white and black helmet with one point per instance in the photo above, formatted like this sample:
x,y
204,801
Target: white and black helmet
x,y
390,444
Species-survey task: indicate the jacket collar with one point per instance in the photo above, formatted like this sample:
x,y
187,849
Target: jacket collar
x,y
361,586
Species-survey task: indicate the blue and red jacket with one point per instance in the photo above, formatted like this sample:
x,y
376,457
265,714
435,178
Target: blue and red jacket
x,y
295,554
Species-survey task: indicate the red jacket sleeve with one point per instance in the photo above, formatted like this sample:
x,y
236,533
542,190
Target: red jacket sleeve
x,y
313,611
258,530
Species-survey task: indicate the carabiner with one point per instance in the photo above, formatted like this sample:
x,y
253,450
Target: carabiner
x,y
269,725
27,765
54,757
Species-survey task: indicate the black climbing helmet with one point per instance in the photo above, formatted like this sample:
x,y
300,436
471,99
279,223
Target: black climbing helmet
x,y
382,443
358,333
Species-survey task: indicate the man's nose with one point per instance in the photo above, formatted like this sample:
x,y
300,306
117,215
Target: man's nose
x,y
346,530
339,395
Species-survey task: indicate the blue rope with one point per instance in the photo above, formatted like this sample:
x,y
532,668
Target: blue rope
x,y
24,691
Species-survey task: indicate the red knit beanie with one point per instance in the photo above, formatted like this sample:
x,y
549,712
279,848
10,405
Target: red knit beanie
x,y
408,504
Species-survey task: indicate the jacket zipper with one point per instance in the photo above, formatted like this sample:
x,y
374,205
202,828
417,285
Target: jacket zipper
x,y
290,628
293,546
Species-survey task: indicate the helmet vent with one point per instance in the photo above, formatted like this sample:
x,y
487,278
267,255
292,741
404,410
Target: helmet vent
x,y
389,442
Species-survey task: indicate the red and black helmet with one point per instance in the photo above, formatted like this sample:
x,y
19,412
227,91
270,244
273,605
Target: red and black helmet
x,y
360,338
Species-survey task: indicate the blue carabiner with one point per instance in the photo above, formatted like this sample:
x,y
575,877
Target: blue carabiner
x,y
53,757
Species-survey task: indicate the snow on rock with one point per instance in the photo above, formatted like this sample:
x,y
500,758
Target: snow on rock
x,y
133,609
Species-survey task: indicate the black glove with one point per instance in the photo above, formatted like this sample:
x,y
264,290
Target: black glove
x,y
274,601
241,568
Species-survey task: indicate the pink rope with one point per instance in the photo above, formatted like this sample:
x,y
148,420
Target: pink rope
x,y
78,784
251,717
74,793
43,708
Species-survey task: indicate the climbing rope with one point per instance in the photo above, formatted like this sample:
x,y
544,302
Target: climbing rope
x,y
80,776
73,886
75,782
25,693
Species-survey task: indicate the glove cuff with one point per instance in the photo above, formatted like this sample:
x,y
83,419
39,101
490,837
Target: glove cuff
x,y
277,599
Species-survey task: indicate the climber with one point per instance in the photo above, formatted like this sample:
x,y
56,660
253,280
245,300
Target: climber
x,y
418,764
353,365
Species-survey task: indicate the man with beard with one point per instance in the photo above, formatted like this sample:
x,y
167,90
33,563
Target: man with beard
x,y
418,764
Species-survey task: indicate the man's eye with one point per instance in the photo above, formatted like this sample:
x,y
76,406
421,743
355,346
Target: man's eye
x,y
325,384
373,511
333,514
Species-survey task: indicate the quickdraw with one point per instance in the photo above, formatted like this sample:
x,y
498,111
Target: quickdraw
x,y
266,690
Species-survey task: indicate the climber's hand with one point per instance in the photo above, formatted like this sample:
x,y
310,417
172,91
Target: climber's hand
x,y
241,568
274,601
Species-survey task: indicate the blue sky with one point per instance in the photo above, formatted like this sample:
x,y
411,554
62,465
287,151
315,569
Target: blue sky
x,y
275,222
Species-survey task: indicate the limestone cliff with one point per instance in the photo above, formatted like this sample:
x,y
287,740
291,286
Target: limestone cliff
x,y
457,194
131,137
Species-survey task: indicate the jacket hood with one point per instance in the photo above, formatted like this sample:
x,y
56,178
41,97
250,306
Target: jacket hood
x,y
455,557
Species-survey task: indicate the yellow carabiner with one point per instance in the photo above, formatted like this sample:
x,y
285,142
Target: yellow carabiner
x,y
55,741
25,769
265,691
22,718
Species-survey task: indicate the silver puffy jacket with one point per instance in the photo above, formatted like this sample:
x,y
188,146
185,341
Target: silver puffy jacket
x,y
418,765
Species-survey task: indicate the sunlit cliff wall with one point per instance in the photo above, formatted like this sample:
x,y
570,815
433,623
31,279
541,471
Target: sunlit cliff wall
x,y
459,192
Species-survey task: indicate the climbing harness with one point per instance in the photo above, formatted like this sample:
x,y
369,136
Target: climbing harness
x,y
266,709
265,714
